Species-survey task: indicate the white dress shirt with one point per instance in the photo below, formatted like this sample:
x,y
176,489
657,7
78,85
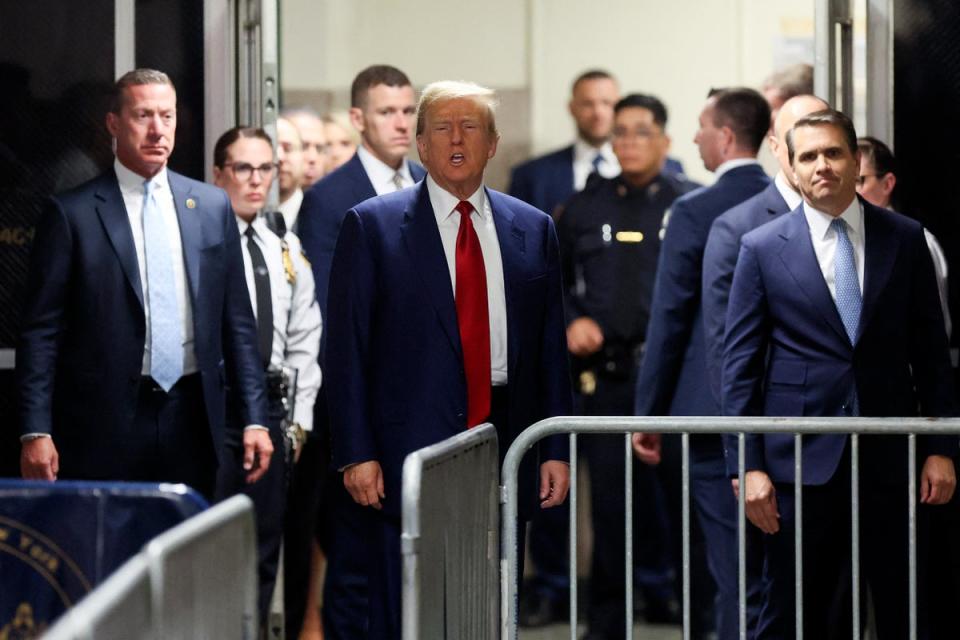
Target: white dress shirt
x,y
792,198
131,188
381,174
824,240
296,314
448,222
583,155
290,208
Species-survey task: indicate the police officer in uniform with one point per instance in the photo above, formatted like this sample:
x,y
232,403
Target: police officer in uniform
x,y
609,245
280,283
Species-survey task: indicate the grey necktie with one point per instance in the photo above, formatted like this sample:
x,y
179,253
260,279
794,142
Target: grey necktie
x,y
398,180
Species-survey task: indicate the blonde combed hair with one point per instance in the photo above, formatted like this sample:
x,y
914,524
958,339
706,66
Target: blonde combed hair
x,y
446,90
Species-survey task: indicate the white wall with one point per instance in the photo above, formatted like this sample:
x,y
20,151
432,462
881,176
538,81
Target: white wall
x,y
532,49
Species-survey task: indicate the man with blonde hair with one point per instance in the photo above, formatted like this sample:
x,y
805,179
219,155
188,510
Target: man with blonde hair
x,y
461,277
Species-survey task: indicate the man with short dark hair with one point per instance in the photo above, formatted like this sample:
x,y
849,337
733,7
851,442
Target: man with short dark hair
x,y
136,314
719,261
446,311
383,110
834,312
609,246
673,374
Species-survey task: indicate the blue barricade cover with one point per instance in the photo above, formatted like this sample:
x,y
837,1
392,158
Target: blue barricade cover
x,y
58,540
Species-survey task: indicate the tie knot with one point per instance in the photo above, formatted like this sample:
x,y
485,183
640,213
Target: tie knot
x,y
148,187
839,225
249,231
597,161
464,208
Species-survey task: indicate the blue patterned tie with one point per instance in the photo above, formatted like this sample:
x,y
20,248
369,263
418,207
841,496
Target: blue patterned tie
x,y
849,300
166,343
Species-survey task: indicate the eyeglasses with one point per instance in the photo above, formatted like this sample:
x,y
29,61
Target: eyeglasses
x,y
863,178
243,171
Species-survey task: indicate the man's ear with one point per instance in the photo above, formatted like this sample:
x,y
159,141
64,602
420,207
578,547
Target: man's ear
x,y
889,181
356,119
113,124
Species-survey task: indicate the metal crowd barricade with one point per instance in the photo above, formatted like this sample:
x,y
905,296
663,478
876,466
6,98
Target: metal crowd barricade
x,y
449,542
196,580
710,425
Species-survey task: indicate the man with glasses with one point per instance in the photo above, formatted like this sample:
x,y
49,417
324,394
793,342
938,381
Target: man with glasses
x,y
609,246
280,287
875,184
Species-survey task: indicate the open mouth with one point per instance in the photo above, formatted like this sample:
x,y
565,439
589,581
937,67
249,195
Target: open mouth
x,y
457,159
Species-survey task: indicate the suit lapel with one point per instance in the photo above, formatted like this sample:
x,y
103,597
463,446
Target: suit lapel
x,y
422,238
880,251
800,260
360,184
511,239
191,229
116,223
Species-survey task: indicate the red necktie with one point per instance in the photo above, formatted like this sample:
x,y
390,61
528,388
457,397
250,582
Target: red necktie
x,y
473,317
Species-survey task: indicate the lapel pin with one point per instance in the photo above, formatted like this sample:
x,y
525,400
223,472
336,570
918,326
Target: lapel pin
x,y
191,203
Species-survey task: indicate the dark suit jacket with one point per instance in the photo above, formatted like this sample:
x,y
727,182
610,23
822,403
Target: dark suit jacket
x,y
719,261
547,181
324,206
786,352
81,346
394,359
673,374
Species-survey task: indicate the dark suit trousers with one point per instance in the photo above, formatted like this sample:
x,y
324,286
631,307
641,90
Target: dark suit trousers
x,y
303,504
826,552
268,495
654,566
386,567
169,440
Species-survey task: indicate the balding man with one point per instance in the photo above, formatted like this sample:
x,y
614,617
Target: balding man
x,y
466,279
313,139
289,179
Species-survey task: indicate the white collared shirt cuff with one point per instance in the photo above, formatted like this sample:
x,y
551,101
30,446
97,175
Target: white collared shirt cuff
x,y
255,427
27,437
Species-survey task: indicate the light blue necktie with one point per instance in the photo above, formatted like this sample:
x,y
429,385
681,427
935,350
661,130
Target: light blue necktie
x,y
849,300
166,343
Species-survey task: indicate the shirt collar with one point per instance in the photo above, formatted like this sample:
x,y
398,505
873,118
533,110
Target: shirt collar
x,y
792,198
445,202
133,182
819,221
583,152
379,172
733,164
259,225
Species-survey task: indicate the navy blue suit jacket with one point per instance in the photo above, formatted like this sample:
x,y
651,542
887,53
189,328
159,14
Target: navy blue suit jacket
x,y
81,346
673,374
546,182
719,261
394,358
786,352
324,206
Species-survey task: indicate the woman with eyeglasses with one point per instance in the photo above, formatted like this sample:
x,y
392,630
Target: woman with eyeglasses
x,y
280,285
